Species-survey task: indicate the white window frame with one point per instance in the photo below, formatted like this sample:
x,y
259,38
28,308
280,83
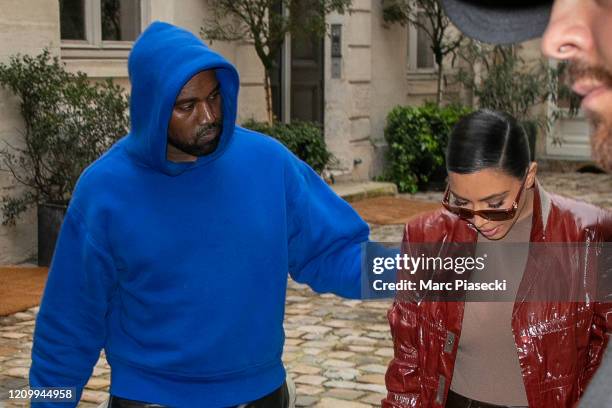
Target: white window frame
x,y
413,51
93,46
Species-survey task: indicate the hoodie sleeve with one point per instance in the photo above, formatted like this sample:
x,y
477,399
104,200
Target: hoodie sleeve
x,y
325,234
70,327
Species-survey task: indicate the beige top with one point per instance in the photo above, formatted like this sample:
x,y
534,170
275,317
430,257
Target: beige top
x,y
487,367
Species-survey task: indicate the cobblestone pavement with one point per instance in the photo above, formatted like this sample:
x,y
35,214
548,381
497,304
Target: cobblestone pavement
x,y
593,188
336,350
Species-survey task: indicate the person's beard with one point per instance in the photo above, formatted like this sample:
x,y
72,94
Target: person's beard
x,y
601,141
198,146
601,137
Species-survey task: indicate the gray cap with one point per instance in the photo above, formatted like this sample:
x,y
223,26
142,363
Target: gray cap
x,y
499,21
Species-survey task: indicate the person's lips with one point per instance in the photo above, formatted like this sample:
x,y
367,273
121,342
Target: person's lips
x,y
490,232
590,91
208,135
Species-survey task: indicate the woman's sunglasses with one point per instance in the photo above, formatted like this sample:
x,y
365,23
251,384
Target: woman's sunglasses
x,y
491,215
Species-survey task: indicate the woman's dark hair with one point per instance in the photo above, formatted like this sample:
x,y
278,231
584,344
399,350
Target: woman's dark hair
x,y
488,139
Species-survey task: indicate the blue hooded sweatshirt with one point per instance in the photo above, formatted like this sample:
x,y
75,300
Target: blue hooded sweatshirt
x,y
179,270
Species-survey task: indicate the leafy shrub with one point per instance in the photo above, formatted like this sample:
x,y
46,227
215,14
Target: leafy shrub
x,y
304,139
69,122
507,82
417,139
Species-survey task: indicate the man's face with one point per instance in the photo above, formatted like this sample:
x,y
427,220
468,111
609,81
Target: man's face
x,y
196,123
580,31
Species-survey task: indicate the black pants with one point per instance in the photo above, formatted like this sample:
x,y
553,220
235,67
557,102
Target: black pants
x,y
454,400
278,398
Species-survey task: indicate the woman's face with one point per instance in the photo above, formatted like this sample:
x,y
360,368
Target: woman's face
x,y
491,189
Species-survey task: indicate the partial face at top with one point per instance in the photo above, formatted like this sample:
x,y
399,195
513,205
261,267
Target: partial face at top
x,y
580,31
196,123
491,189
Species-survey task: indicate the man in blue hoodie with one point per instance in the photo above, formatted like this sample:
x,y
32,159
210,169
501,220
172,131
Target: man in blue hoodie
x,y
176,246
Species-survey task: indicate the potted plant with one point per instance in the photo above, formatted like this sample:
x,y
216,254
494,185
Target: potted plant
x,y
69,122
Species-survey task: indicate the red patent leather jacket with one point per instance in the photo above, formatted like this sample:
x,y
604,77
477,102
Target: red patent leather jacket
x,y
559,344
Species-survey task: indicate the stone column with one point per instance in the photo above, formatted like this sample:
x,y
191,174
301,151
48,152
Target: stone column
x,y
348,98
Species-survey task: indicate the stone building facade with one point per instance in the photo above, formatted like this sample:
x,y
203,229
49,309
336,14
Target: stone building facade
x,y
349,81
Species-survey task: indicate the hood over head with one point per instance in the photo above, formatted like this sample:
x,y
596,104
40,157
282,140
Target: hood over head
x,y
163,59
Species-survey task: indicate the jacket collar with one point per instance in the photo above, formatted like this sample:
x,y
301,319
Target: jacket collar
x,y
541,213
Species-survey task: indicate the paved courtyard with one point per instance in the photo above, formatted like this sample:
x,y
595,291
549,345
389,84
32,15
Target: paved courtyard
x,y
336,350
592,188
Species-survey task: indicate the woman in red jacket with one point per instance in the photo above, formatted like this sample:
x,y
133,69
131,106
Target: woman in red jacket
x,y
521,352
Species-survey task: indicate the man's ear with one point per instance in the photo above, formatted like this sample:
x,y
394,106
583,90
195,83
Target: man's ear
x,y
531,175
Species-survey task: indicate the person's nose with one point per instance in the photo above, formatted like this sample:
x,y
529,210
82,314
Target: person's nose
x,y
568,35
478,221
206,113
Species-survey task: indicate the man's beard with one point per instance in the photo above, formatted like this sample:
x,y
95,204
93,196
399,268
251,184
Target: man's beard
x,y
198,147
601,138
601,141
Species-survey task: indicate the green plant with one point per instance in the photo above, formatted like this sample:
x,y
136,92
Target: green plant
x,y
69,122
304,139
507,82
266,23
417,139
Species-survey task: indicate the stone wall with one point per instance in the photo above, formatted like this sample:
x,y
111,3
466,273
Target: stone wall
x,y
373,80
